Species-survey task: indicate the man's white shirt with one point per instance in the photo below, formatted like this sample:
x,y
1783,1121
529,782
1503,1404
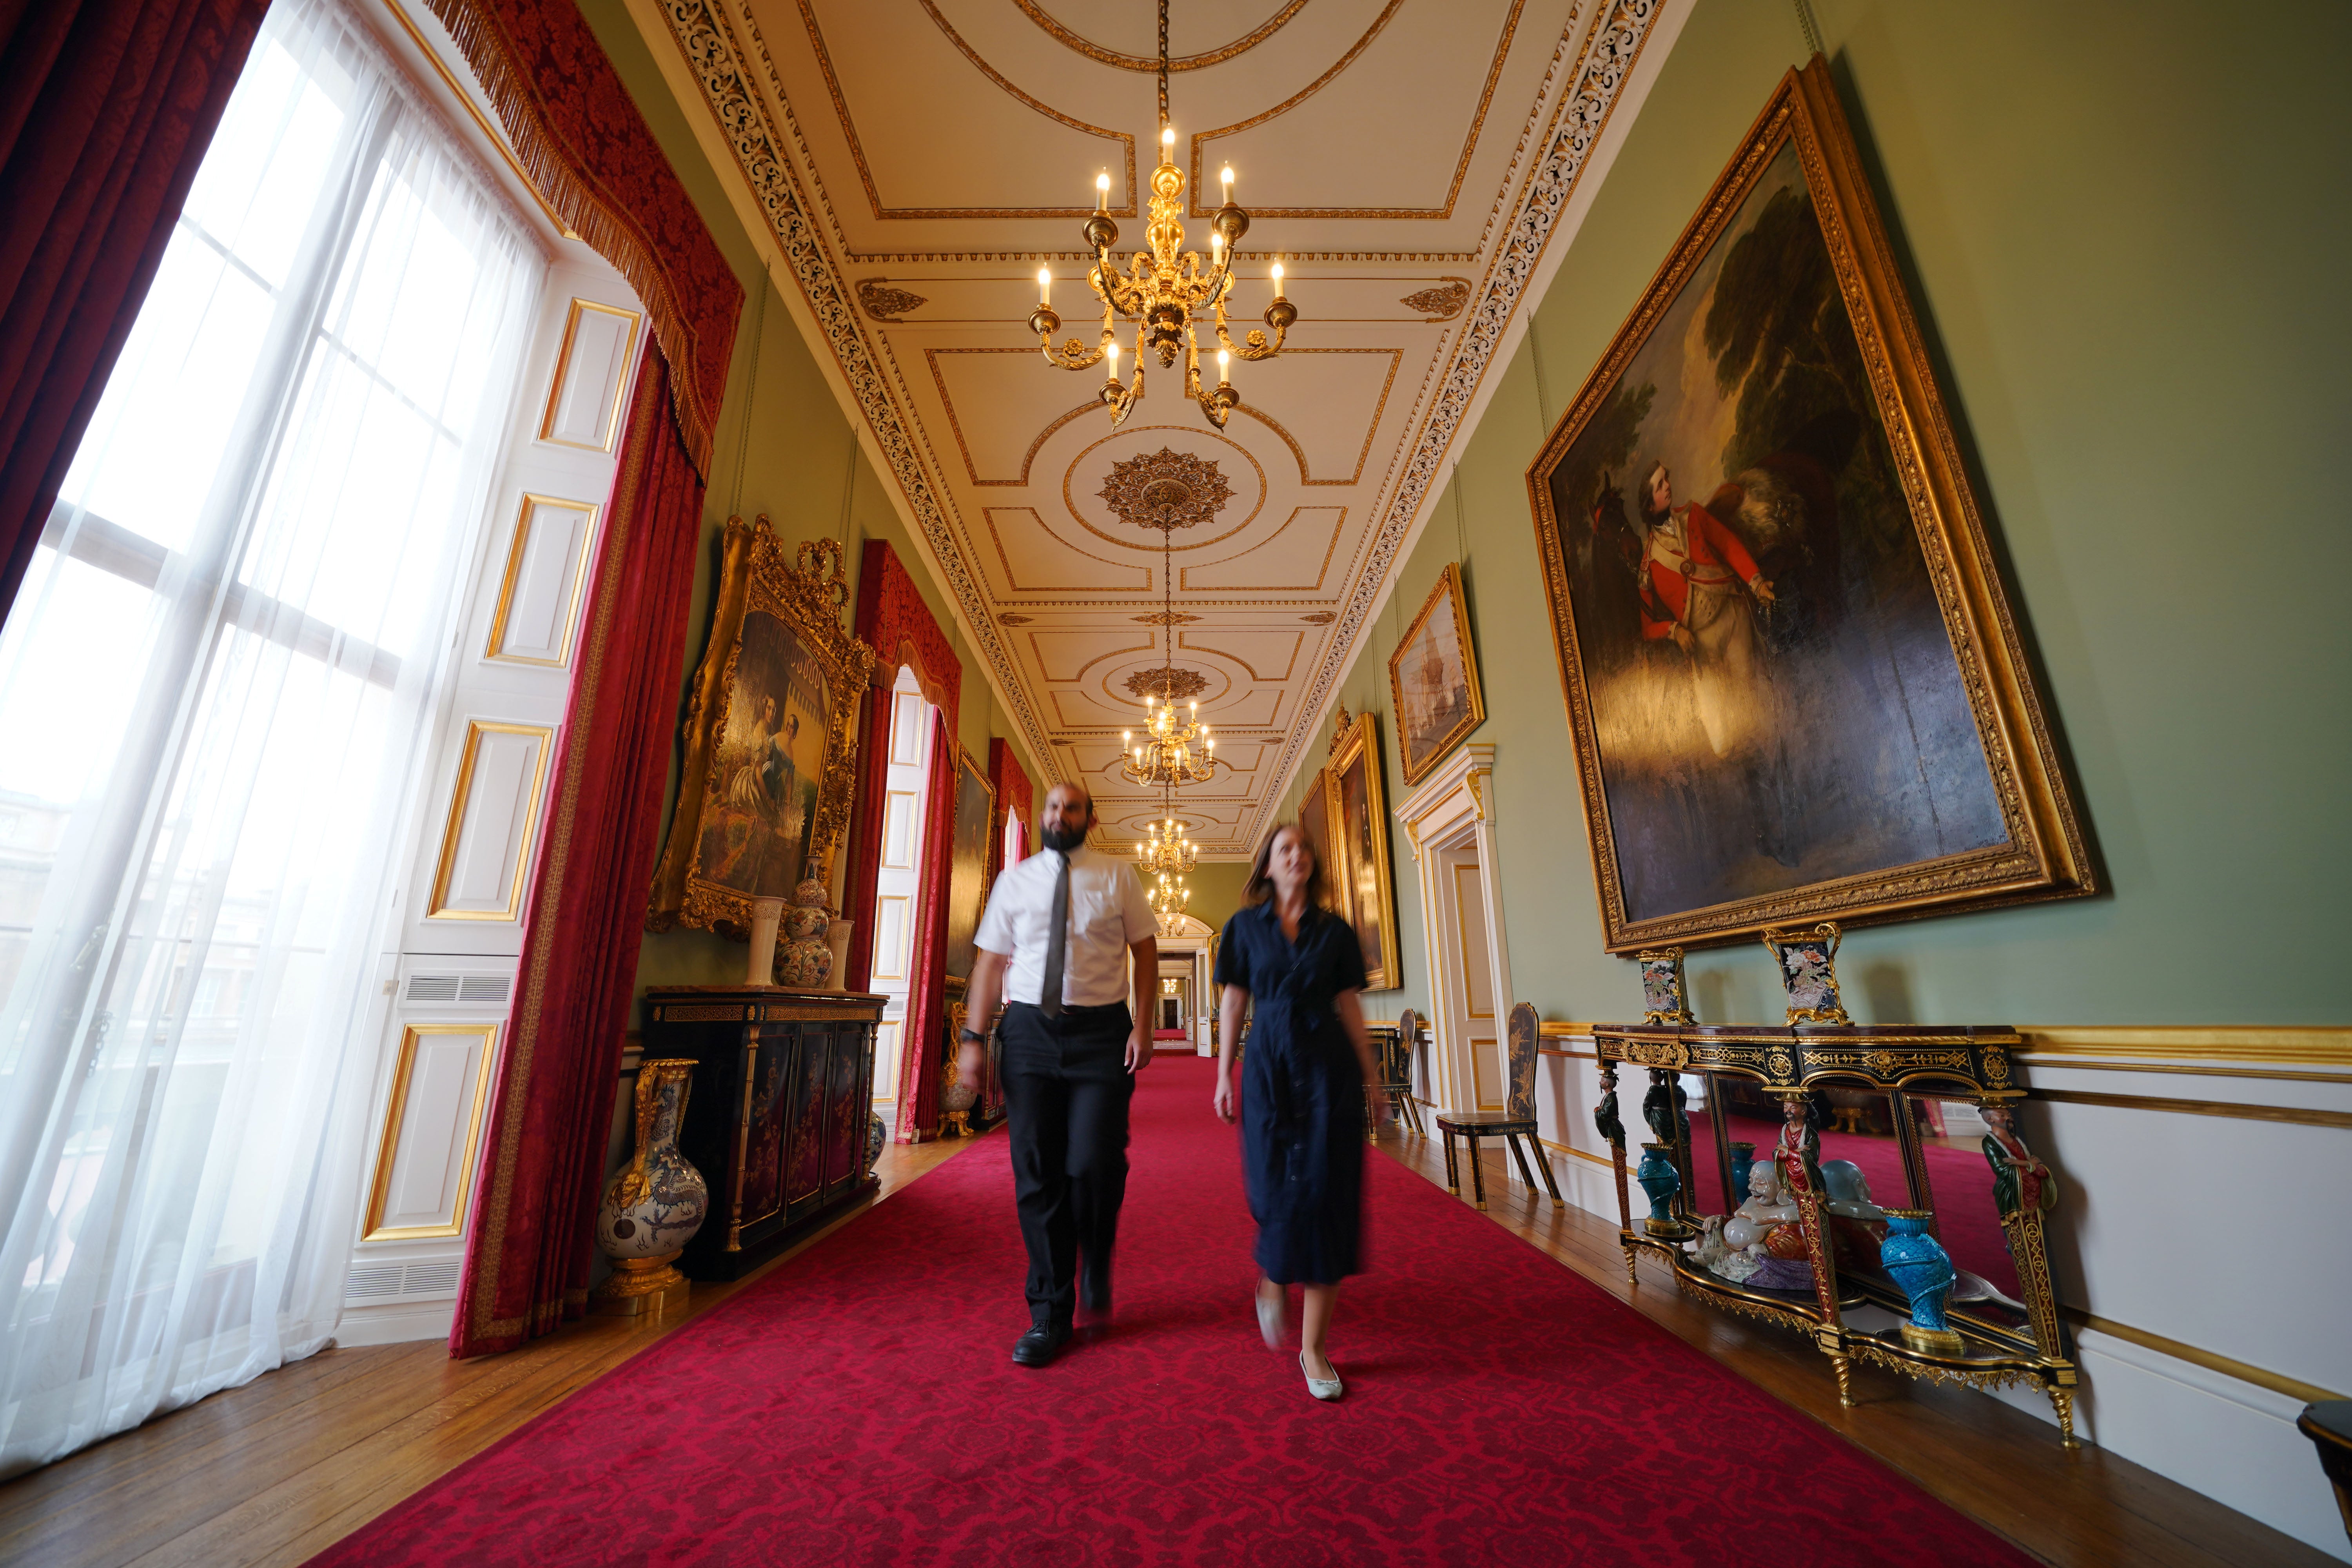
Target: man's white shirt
x,y
1109,914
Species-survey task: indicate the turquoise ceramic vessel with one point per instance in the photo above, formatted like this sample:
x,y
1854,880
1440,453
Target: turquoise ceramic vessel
x,y
1743,1160
1919,1265
1658,1177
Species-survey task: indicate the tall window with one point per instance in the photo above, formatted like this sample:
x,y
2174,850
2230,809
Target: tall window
x,y
215,685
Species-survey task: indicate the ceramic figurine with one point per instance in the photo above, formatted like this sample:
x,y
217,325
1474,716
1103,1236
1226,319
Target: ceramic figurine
x,y
1918,1262
654,1205
1662,1181
1606,1121
2021,1183
1709,1251
1807,962
1663,998
1743,1156
1764,1239
808,960
1663,1107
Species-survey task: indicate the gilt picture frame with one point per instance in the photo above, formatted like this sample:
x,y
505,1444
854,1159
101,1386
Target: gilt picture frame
x,y
1433,679
1358,820
970,863
1315,821
1807,695
770,742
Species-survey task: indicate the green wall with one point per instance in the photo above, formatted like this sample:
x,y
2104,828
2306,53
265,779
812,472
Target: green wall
x,y
784,448
2125,228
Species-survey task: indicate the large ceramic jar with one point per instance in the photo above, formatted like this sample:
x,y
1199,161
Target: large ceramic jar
x,y
659,1200
807,963
1660,1179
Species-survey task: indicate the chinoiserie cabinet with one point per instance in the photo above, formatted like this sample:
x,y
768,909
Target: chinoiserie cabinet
x,y
777,1120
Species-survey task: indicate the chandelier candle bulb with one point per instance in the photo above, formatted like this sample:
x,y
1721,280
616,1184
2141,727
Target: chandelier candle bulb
x,y
1225,177
1045,286
1277,279
1102,191
1224,367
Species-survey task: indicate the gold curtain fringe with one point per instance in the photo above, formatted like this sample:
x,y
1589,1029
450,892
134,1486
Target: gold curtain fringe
x,y
583,209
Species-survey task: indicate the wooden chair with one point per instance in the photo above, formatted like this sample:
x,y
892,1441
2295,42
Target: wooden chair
x,y
1392,1055
1516,1120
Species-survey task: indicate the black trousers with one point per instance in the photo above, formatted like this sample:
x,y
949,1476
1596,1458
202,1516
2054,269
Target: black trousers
x,y
1066,1089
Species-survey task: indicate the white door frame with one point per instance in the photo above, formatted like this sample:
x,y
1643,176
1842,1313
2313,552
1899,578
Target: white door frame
x,y
1188,937
1454,808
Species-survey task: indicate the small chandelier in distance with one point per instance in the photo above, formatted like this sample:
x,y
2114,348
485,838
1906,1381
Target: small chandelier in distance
x,y
1167,897
1162,288
1165,851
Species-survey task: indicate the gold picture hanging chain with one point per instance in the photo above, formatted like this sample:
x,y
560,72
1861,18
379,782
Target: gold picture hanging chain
x,y
1163,65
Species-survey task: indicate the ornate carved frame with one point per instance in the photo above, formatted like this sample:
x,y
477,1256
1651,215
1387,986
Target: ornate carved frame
x,y
1449,581
1361,739
2045,855
807,595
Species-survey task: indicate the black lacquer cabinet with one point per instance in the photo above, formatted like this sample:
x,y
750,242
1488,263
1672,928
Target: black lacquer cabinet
x,y
777,1120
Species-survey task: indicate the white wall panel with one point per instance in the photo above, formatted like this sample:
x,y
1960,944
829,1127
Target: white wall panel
x,y
492,819
584,405
538,602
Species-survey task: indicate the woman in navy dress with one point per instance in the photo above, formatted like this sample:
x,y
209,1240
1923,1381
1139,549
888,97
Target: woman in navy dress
x,y
1302,1107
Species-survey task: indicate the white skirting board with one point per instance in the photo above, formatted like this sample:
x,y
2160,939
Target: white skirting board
x,y
2233,1441
395,1322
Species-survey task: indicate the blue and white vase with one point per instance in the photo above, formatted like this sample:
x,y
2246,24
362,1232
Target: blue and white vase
x,y
653,1208
1920,1267
1660,1179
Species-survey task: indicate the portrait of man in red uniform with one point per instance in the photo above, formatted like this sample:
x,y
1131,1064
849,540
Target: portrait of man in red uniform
x,y
1700,589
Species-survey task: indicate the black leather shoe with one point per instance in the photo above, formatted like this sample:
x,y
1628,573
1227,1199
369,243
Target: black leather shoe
x,y
1040,1345
1094,1286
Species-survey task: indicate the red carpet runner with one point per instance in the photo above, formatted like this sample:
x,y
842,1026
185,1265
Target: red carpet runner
x,y
859,1406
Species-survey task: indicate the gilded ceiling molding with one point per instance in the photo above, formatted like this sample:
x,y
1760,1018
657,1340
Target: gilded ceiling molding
x,y
857,148
1461,165
707,38
1080,44
1597,80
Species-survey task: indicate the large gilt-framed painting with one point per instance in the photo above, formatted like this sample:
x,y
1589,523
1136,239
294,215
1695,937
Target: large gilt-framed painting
x,y
1315,821
1359,825
968,862
1433,679
771,736
1794,680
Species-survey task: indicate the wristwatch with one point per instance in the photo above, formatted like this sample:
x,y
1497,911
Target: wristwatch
x,y
975,1036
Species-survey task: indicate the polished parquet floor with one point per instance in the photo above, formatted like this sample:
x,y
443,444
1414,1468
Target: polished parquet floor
x,y
275,1472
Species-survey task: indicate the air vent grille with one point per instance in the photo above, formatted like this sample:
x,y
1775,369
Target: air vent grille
x,y
389,1281
474,988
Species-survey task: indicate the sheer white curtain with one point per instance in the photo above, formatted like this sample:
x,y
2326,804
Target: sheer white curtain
x,y
215,685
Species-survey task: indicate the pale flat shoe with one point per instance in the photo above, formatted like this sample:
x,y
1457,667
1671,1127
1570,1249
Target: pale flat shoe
x,y
1321,1387
1270,1319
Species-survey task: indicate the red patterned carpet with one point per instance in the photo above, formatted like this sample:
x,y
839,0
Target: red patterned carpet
x,y
858,1406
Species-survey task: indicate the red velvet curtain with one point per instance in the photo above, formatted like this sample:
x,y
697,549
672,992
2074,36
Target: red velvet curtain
x,y
922,1040
106,107
528,1245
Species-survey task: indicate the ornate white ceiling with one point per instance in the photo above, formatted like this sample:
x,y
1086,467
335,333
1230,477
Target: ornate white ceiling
x,y
917,160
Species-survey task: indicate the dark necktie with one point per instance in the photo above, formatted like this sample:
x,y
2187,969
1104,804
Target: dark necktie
x,y
1058,943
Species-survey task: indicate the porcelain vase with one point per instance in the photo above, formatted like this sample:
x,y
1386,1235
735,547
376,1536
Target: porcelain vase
x,y
761,966
1660,1179
653,1208
1920,1267
808,961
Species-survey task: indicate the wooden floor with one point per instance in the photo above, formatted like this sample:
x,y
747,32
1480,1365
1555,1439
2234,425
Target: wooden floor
x,y
277,1470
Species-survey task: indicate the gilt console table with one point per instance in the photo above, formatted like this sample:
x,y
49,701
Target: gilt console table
x,y
2000,1329
777,1120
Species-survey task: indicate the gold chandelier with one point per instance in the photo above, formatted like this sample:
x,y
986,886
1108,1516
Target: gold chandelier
x,y
1161,290
1167,897
1172,752
1165,850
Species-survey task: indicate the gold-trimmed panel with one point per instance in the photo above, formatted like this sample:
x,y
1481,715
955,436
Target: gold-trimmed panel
x,y
436,908
2302,1115
612,417
577,572
388,1140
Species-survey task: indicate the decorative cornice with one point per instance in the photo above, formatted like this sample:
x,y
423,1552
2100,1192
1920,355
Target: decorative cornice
x,y
710,35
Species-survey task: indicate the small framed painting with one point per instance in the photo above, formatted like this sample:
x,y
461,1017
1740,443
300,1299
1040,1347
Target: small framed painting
x,y
1433,679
